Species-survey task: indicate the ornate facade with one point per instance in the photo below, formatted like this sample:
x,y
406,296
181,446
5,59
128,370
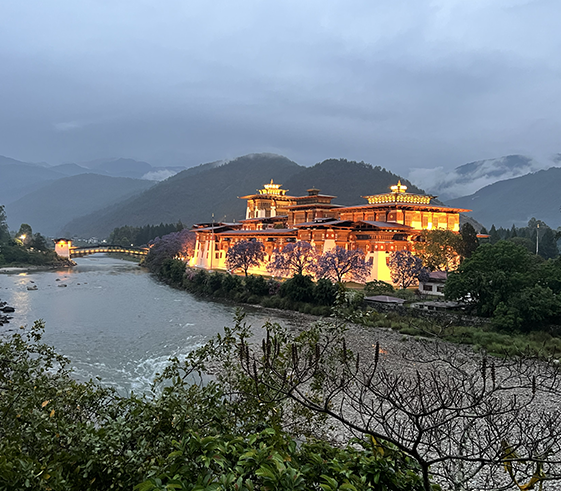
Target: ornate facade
x,y
387,223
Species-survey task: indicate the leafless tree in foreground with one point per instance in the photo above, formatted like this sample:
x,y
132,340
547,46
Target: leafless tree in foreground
x,y
470,421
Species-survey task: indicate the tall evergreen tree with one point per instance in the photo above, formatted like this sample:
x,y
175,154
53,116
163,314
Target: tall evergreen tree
x,y
4,232
469,240
494,235
548,245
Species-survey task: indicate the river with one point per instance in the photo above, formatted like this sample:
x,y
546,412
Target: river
x,y
115,321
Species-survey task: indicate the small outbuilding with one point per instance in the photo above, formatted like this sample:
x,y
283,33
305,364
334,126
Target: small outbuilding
x,y
435,284
384,300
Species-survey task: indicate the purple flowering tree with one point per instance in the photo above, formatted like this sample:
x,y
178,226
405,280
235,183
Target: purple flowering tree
x,y
405,268
341,264
294,258
178,245
244,255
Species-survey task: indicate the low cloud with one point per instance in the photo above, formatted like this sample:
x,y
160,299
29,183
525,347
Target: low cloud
x,y
158,175
470,178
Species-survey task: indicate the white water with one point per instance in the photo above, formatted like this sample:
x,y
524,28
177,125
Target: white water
x,y
114,320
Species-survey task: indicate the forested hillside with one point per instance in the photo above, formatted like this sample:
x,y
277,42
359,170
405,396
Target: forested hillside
x,y
347,180
50,207
194,195
191,196
516,201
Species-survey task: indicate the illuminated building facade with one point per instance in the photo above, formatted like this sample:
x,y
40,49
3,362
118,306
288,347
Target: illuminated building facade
x,y
388,222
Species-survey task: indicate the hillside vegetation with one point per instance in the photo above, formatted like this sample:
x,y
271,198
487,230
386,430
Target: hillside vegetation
x,y
193,195
516,201
53,205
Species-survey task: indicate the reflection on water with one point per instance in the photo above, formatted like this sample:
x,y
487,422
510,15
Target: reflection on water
x,y
113,320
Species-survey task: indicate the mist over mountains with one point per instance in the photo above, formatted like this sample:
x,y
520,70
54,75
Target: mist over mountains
x,y
516,201
91,198
469,178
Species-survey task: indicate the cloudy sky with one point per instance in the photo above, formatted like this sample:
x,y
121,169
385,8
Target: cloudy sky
x,y
401,84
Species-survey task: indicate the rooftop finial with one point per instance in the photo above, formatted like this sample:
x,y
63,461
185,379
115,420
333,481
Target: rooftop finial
x,y
400,188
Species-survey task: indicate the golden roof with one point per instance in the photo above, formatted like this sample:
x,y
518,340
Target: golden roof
x,y
272,189
399,195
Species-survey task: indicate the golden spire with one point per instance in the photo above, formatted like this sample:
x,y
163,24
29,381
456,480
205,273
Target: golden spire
x,y
273,188
399,188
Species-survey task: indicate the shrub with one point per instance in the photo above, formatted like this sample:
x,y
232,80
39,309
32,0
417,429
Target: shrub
x,y
257,285
377,287
213,283
325,292
232,285
299,288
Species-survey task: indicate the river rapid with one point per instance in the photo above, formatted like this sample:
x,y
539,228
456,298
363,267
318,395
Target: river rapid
x,y
116,321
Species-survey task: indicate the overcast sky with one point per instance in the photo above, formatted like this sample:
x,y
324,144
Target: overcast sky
x,y
401,84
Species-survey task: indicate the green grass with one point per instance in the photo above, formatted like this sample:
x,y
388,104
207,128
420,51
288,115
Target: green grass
x,y
538,343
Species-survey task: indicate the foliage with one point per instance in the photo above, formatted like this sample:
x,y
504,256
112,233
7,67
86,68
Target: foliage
x,y
439,249
458,414
244,255
296,258
526,236
470,242
325,292
267,460
299,288
58,434
137,236
257,285
506,282
405,268
4,231
175,245
33,250
378,287
25,234
547,247
341,264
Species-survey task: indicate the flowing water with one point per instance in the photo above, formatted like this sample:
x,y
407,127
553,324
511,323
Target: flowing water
x,y
114,320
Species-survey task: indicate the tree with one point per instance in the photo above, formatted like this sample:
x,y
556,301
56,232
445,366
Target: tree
x,y
245,254
439,249
296,258
494,236
4,231
548,245
460,415
25,234
38,242
405,268
341,264
509,284
469,240
177,245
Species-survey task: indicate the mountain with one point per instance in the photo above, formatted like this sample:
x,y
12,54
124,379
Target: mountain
x,y
195,194
468,178
191,196
130,168
49,208
347,180
18,178
515,201
70,169
120,167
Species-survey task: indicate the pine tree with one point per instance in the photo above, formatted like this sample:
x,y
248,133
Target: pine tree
x,y
494,235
